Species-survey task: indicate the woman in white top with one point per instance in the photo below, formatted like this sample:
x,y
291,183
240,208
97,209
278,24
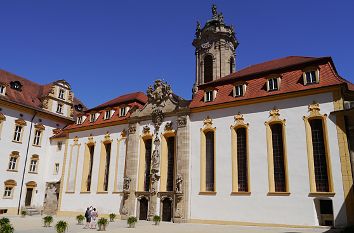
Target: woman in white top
x,y
94,216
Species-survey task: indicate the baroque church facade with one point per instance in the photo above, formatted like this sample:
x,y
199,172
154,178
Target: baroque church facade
x,y
269,144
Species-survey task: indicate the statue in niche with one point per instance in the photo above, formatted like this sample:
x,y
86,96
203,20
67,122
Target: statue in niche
x,y
126,184
155,161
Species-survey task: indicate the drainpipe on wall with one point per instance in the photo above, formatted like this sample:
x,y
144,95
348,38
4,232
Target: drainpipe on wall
x,y
24,167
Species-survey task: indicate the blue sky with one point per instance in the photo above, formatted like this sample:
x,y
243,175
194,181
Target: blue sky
x,y
108,48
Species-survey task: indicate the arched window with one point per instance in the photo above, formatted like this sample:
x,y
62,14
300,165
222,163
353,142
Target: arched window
x,y
242,168
278,157
208,68
209,172
148,147
232,64
9,188
319,156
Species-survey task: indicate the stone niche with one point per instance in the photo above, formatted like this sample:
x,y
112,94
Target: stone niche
x,y
50,205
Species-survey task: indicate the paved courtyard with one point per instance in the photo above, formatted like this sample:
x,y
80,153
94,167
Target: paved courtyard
x,y
33,224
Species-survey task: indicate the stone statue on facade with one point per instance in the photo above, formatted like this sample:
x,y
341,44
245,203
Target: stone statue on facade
x,y
126,184
198,30
214,11
159,92
179,182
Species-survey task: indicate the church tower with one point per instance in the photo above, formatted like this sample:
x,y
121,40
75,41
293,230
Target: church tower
x,y
215,46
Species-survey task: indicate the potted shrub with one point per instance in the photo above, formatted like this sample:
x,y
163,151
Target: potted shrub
x,y
47,220
112,216
4,221
6,228
80,218
102,224
23,213
61,226
156,219
131,221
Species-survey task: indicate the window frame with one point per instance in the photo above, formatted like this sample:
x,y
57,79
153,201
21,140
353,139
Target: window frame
x,y
241,86
209,93
93,117
2,89
9,184
60,108
107,114
310,70
35,160
277,80
61,94
18,134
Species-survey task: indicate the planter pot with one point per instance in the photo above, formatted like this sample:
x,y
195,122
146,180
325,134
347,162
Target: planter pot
x,y
132,225
157,223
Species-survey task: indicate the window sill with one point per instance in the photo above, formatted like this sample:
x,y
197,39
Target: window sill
x,y
278,194
85,192
36,145
33,172
117,192
70,192
322,194
240,193
7,197
102,192
17,142
9,170
208,193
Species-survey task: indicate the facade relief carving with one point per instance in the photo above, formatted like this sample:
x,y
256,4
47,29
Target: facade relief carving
x,y
132,129
181,121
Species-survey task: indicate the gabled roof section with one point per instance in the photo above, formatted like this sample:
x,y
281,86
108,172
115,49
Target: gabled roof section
x,y
289,69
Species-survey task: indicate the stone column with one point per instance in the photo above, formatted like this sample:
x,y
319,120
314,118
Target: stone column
x,y
182,183
129,199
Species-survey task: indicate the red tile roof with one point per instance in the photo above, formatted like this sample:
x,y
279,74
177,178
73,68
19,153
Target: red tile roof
x,y
139,97
30,94
133,100
289,69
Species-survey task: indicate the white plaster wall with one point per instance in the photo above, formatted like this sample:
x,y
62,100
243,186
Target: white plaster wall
x,y
296,209
104,202
7,146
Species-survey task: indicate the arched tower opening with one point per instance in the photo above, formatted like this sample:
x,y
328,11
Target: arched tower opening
x,y
208,68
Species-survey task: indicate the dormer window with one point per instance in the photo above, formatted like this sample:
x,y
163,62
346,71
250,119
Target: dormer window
x,y
60,109
239,90
2,89
61,94
79,120
273,84
16,85
123,111
92,117
209,95
79,107
107,114
311,76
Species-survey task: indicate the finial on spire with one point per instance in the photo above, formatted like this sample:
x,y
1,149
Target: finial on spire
x,y
198,30
214,11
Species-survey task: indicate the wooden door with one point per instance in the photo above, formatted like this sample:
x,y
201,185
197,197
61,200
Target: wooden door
x,y
143,212
28,196
166,210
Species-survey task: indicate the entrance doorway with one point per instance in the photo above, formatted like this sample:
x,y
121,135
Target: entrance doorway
x,y
167,210
143,209
28,199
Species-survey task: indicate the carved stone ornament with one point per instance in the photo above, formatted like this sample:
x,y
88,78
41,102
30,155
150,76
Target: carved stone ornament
x,y
158,92
179,182
168,126
2,117
20,122
181,121
314,109
39,126
157,118
274,116
157,141
126,184
45,103
76,140
178,213
124,210
52,90
132,129
90,140
70,97
208,122
123,134
155,165
107,137
146,129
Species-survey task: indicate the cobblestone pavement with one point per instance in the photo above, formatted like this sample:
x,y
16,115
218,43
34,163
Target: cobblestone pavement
x,y
33,224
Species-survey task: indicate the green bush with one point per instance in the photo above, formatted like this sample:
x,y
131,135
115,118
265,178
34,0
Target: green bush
x,y
6,228
23,213
80,218
131,221
61,226
112,216
47,220
102,224
156,219
4,221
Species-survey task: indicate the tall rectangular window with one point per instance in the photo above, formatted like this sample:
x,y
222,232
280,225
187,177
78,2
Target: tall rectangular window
x,y
60,108
12,163
60,145
122,111
61,94
2,89
242,170
209,161
238,90
278,158
56,168
148,145
8,192
106,171
92,117
273,84
319,156
17,134
311,77
170,163
89,175
33,165
37,137
107,114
